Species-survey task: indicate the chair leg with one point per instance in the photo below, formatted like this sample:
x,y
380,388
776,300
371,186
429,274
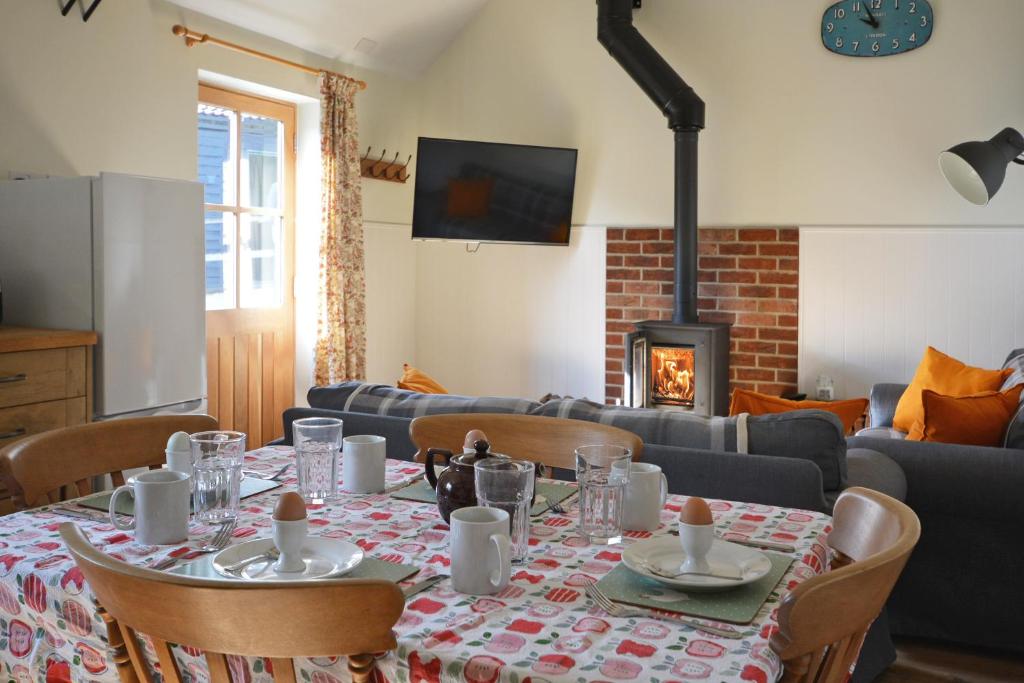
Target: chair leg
x,y
118,651
361,667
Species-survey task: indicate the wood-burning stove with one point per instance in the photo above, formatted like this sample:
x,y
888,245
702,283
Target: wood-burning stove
x,y
678,367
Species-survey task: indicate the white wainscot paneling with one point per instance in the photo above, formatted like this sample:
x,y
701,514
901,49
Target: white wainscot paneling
x,y
872,299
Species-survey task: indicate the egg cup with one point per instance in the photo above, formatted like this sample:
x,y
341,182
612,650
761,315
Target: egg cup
x,y
696,540
289,537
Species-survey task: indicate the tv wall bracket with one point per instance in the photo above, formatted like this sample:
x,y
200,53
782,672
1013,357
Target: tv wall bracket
x,y
65,7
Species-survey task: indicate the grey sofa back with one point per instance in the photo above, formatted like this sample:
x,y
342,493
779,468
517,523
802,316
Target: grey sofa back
x,y
394,429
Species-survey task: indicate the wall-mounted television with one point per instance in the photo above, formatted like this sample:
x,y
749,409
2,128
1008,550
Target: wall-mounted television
x,y
493,192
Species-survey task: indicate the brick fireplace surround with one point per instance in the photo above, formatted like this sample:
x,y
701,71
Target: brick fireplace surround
x,y
747,277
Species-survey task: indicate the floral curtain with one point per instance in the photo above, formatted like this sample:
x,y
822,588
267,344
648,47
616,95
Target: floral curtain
x,y
341,322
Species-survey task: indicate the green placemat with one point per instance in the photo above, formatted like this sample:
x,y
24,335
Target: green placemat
x,y
737,606
369,568
251,486
422,492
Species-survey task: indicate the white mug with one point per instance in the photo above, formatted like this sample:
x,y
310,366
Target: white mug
x,y
362,463
480,550
646,494
161,507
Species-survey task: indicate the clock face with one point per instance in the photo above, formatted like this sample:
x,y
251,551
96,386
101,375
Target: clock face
x,y
876,28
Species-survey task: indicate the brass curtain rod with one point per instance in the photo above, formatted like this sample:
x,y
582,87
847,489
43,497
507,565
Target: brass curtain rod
x,y
194,38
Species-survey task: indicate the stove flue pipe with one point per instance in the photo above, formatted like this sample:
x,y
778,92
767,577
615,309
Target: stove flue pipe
x,y
685,113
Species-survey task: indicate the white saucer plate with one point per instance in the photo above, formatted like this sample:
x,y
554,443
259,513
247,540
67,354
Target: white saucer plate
x,y
729,559
324,557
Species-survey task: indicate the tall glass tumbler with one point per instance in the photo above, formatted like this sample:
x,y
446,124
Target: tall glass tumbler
x,y
217,474
317,447
508,485
602,472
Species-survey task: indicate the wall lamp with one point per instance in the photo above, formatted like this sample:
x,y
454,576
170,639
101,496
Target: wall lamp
x,y
976,169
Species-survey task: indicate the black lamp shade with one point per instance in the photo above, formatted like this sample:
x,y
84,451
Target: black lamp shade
x,y
976,169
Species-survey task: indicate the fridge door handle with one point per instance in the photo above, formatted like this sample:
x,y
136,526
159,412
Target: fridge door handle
x,y
20,377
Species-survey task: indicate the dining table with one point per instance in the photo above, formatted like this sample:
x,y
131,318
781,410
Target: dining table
x,y
540,627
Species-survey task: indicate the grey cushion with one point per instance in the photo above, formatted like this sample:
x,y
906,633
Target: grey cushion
x,y
812,435
382,399
876,471
1014,437
882,405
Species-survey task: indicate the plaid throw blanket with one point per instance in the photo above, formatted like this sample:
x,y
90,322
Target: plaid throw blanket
x,y
381,399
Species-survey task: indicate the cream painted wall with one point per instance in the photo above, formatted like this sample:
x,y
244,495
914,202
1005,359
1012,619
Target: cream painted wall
x,y
513,320
118,94
795,135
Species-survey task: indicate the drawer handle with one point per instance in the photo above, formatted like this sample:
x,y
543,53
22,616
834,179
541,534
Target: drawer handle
x,y
20,377
20,431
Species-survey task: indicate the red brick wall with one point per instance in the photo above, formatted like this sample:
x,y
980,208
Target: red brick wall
x,y
747,278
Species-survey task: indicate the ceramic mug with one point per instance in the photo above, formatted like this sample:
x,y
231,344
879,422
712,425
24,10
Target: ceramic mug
x,y
362,463
161,507
480,550
646,494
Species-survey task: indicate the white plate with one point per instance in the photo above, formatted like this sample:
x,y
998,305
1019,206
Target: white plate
x,y
665,552
325,558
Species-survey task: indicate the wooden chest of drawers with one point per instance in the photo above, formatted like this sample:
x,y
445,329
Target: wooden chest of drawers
x,y
45,383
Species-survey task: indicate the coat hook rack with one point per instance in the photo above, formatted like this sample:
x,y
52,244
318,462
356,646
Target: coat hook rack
x,y
65,7
380,168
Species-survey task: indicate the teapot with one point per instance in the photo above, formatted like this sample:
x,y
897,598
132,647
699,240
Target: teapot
x,y
456,485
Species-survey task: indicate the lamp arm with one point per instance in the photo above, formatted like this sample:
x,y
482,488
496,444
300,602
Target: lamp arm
x,y
1019,160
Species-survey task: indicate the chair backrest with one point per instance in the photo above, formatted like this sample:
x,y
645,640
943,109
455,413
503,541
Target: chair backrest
x,y
280,620
822,622
549,441
58,465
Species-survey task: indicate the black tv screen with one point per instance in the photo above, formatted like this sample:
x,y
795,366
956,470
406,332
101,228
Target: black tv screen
x,y
492,192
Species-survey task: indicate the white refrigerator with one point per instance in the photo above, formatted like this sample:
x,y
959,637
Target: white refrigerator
x,y
122,255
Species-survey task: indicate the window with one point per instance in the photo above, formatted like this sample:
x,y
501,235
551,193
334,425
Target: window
x,y
242,165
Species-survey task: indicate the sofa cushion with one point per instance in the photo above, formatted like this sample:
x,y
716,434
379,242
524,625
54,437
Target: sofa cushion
x,y
976,420
806,434
381,399
1015,431
746,401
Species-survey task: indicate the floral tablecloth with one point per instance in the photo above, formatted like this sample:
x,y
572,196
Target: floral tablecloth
x,y
539,628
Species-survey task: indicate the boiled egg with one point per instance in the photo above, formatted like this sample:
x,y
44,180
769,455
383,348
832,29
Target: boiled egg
x,y
472,436
696,512
290,507
179,442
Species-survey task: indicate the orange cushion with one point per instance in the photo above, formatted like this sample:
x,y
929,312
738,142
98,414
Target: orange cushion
x,y
469,198
977,420
745,401
947,376
414,379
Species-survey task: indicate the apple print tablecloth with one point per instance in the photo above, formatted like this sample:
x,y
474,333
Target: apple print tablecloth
x,y
539,628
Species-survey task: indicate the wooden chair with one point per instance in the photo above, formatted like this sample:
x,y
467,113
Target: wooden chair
x,y
58,465
822,622
549,441
280,620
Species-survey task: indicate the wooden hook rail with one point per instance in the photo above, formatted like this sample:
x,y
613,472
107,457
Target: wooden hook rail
x,y
193,38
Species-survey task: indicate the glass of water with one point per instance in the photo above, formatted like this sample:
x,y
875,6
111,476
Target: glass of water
x,y
508,485
602,472
217,474
317,445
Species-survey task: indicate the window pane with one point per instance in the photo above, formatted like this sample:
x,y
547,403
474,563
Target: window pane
x,y
217,153
262,140
262,257
220,260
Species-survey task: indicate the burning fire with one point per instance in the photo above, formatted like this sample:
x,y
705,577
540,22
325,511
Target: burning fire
x,y
672,378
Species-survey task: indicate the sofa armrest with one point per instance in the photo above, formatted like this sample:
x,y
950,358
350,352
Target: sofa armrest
x,y
882,406
769,480
979,482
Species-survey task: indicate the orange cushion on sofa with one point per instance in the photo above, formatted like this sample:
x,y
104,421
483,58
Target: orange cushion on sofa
x,y
944,375
745,401
977,420
414,379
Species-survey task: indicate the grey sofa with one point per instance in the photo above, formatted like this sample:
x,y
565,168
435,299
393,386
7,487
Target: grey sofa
x,y
963,582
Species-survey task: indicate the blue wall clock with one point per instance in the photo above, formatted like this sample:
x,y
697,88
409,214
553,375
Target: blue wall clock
x,y
876,28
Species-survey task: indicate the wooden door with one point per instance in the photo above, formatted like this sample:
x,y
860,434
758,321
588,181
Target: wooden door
x,y
247,165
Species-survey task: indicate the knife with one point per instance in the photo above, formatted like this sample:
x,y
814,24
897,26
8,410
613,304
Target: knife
x,y
423,585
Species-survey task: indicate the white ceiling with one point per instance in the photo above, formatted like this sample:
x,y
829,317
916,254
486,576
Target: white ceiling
x,y
408,34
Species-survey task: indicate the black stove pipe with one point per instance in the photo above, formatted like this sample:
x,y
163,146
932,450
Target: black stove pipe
x,y
685,113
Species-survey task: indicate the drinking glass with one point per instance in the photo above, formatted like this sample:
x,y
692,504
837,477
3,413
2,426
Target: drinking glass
x,y
217,472
508,485
602,472
317,445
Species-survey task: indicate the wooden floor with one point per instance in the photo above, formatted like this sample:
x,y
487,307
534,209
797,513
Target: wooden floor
x,y
923,662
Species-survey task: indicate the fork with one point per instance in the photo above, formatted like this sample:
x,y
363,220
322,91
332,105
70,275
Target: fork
x,y
218,542
614,609
276,476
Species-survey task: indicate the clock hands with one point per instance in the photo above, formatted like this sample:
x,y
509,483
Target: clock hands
x,y
871,20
